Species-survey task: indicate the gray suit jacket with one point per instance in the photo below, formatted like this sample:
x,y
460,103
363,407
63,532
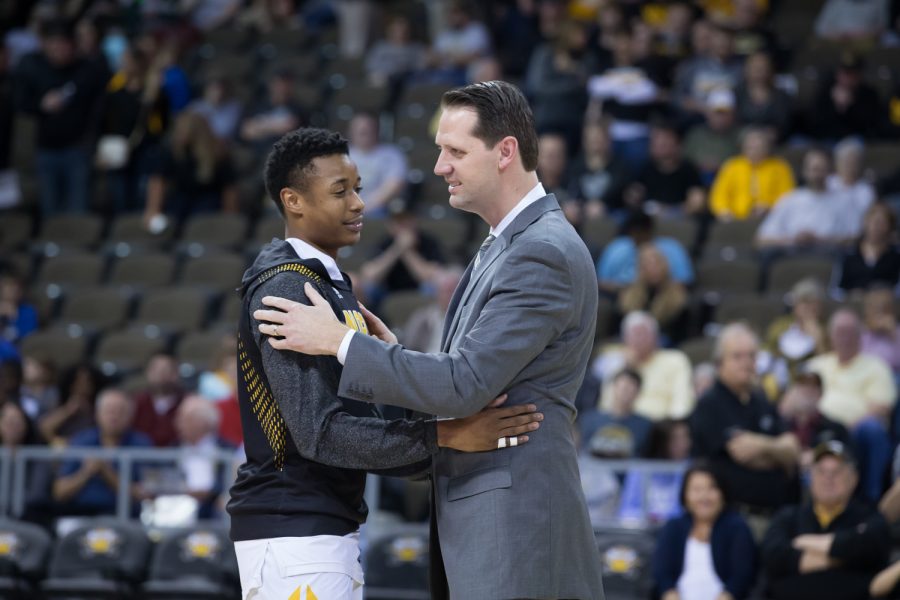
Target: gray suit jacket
x,y
512,523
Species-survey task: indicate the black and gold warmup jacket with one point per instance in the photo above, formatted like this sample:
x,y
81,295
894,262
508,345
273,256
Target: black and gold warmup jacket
x,y
308,449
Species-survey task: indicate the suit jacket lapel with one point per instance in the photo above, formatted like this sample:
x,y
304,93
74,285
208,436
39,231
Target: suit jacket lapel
x,y
452,313
467,284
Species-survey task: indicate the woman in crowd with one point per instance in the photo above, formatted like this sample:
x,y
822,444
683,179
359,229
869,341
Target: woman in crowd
x,y
78,392
875,260
194,174
707,553
134,119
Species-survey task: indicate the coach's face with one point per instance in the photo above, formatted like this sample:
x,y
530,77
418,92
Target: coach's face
x,y
470,168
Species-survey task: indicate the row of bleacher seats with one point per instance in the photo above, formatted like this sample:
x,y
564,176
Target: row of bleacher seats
x,y
107,558
126,235
120,333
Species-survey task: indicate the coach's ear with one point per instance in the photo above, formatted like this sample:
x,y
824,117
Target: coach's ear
x,y
292,200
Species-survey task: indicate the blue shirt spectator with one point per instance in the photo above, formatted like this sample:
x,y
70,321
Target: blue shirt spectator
x,y
90,486
618,263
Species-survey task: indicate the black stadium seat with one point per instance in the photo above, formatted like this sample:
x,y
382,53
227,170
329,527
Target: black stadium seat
x,y
625,556
103,558
194,563
24,549
396,564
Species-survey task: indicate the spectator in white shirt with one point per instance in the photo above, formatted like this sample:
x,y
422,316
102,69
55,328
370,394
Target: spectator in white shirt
x,y
848,182
808,217
463,41
382,167
197,424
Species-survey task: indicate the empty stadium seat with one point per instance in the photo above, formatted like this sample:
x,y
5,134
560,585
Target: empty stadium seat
x,y
428,95
683,230
354,96
698,349
102,558
69,271
56,346
597,233
785,272
173,310
15,230
22,263
128,234
271,226
449,231
396,563
738,232
213,231
215,272
757,310
230,310
398,306
95,309
24,549
722,277
60,232
143,271
126,351
197,350
194,563
625,556
607,313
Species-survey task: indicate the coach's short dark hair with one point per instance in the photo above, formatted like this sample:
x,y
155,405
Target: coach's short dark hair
x,y
502,110
290,161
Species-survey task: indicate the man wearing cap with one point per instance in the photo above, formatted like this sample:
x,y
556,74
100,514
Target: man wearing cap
x,y
846,105
832,546
711,143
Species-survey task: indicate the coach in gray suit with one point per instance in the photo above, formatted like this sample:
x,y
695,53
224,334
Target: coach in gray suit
x,y
510,524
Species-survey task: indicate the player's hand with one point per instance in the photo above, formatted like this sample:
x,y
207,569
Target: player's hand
x,y
482,431
312,329
377,327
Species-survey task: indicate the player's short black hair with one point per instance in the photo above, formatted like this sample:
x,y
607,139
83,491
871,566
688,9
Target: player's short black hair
x,y
290,162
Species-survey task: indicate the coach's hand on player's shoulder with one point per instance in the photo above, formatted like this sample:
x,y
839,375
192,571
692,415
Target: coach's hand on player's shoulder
x,y
377,327
312,329
482,431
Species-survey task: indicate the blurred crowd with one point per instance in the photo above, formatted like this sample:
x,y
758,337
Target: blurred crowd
x,y
699,146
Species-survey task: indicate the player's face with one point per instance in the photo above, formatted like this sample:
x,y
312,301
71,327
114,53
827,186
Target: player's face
x,y
330,208
469,167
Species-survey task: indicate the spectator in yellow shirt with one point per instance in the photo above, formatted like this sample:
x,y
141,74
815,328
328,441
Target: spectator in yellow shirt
x,y
751,183
860,394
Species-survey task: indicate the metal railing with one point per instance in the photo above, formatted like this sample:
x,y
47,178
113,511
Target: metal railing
x,y
14,468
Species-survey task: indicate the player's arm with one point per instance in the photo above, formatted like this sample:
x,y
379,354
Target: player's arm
x,y
305,389
530,305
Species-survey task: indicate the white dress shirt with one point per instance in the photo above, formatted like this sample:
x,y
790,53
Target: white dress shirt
x,y
535,194
307,251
